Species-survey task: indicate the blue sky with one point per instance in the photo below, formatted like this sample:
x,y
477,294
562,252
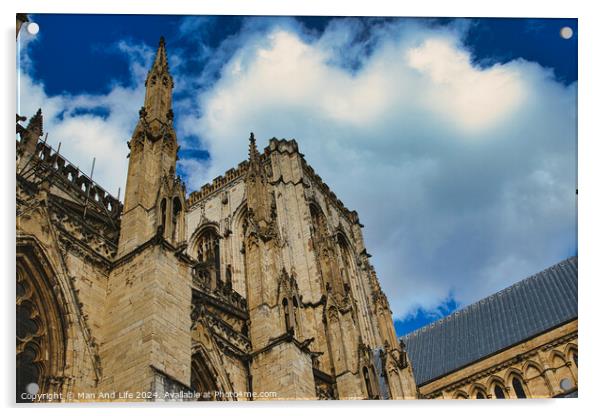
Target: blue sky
x,y
455,139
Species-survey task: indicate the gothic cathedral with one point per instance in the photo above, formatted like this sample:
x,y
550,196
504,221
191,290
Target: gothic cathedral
x,y
257,286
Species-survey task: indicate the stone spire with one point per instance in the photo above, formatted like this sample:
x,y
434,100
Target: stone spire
x,y
253,152
36,124
259,197
161,56
159,86
29,138
154,197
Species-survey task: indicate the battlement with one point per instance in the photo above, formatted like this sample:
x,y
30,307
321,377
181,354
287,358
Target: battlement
x,y
290,147
218,183
283,146
352,216
77,180
275,145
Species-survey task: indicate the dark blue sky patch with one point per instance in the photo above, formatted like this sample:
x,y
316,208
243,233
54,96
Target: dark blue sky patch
x,y
193,154
500,40
423,317
100,111
77,53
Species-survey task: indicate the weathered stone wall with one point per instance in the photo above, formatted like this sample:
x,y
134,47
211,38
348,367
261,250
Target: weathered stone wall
x,y
285,370
147,320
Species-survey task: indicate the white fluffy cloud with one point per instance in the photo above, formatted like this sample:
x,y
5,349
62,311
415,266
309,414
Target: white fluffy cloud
x,y
86,125
464,176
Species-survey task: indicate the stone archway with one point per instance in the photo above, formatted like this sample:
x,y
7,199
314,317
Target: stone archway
x,y
40,326
203,379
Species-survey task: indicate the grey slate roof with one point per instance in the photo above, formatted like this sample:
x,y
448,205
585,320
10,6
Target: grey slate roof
x,y
521,311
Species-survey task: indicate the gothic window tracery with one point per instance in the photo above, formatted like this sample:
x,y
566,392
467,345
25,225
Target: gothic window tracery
x,y
208,256
325,249
202,379
318,222
287,288
40,340
29,332
347,258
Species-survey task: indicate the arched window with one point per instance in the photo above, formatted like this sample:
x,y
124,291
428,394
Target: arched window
x,y
318,222
208,255
519,390
480,395
460,395
229,274
324,249
40,326
366,375
347,256
575,359
499,392
202,378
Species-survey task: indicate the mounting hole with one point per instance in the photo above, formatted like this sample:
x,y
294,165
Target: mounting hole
x,y
566,384
566,32
33,28
32,388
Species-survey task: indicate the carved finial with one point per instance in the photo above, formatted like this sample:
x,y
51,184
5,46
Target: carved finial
x,y
159,85
160,63
36,123
253,152
161,57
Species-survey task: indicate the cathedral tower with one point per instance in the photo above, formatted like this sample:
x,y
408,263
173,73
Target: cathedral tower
x,y
147,342
281,361
154,197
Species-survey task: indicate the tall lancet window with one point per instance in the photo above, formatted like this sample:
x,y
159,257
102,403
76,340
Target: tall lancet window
x,y
287,315
367,382
318,222
177,211
163,213
519,390
348,260
499,392
208,255
295,311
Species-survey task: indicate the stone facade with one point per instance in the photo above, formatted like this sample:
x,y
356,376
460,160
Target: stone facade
x,y
541,367
258,286
520,342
